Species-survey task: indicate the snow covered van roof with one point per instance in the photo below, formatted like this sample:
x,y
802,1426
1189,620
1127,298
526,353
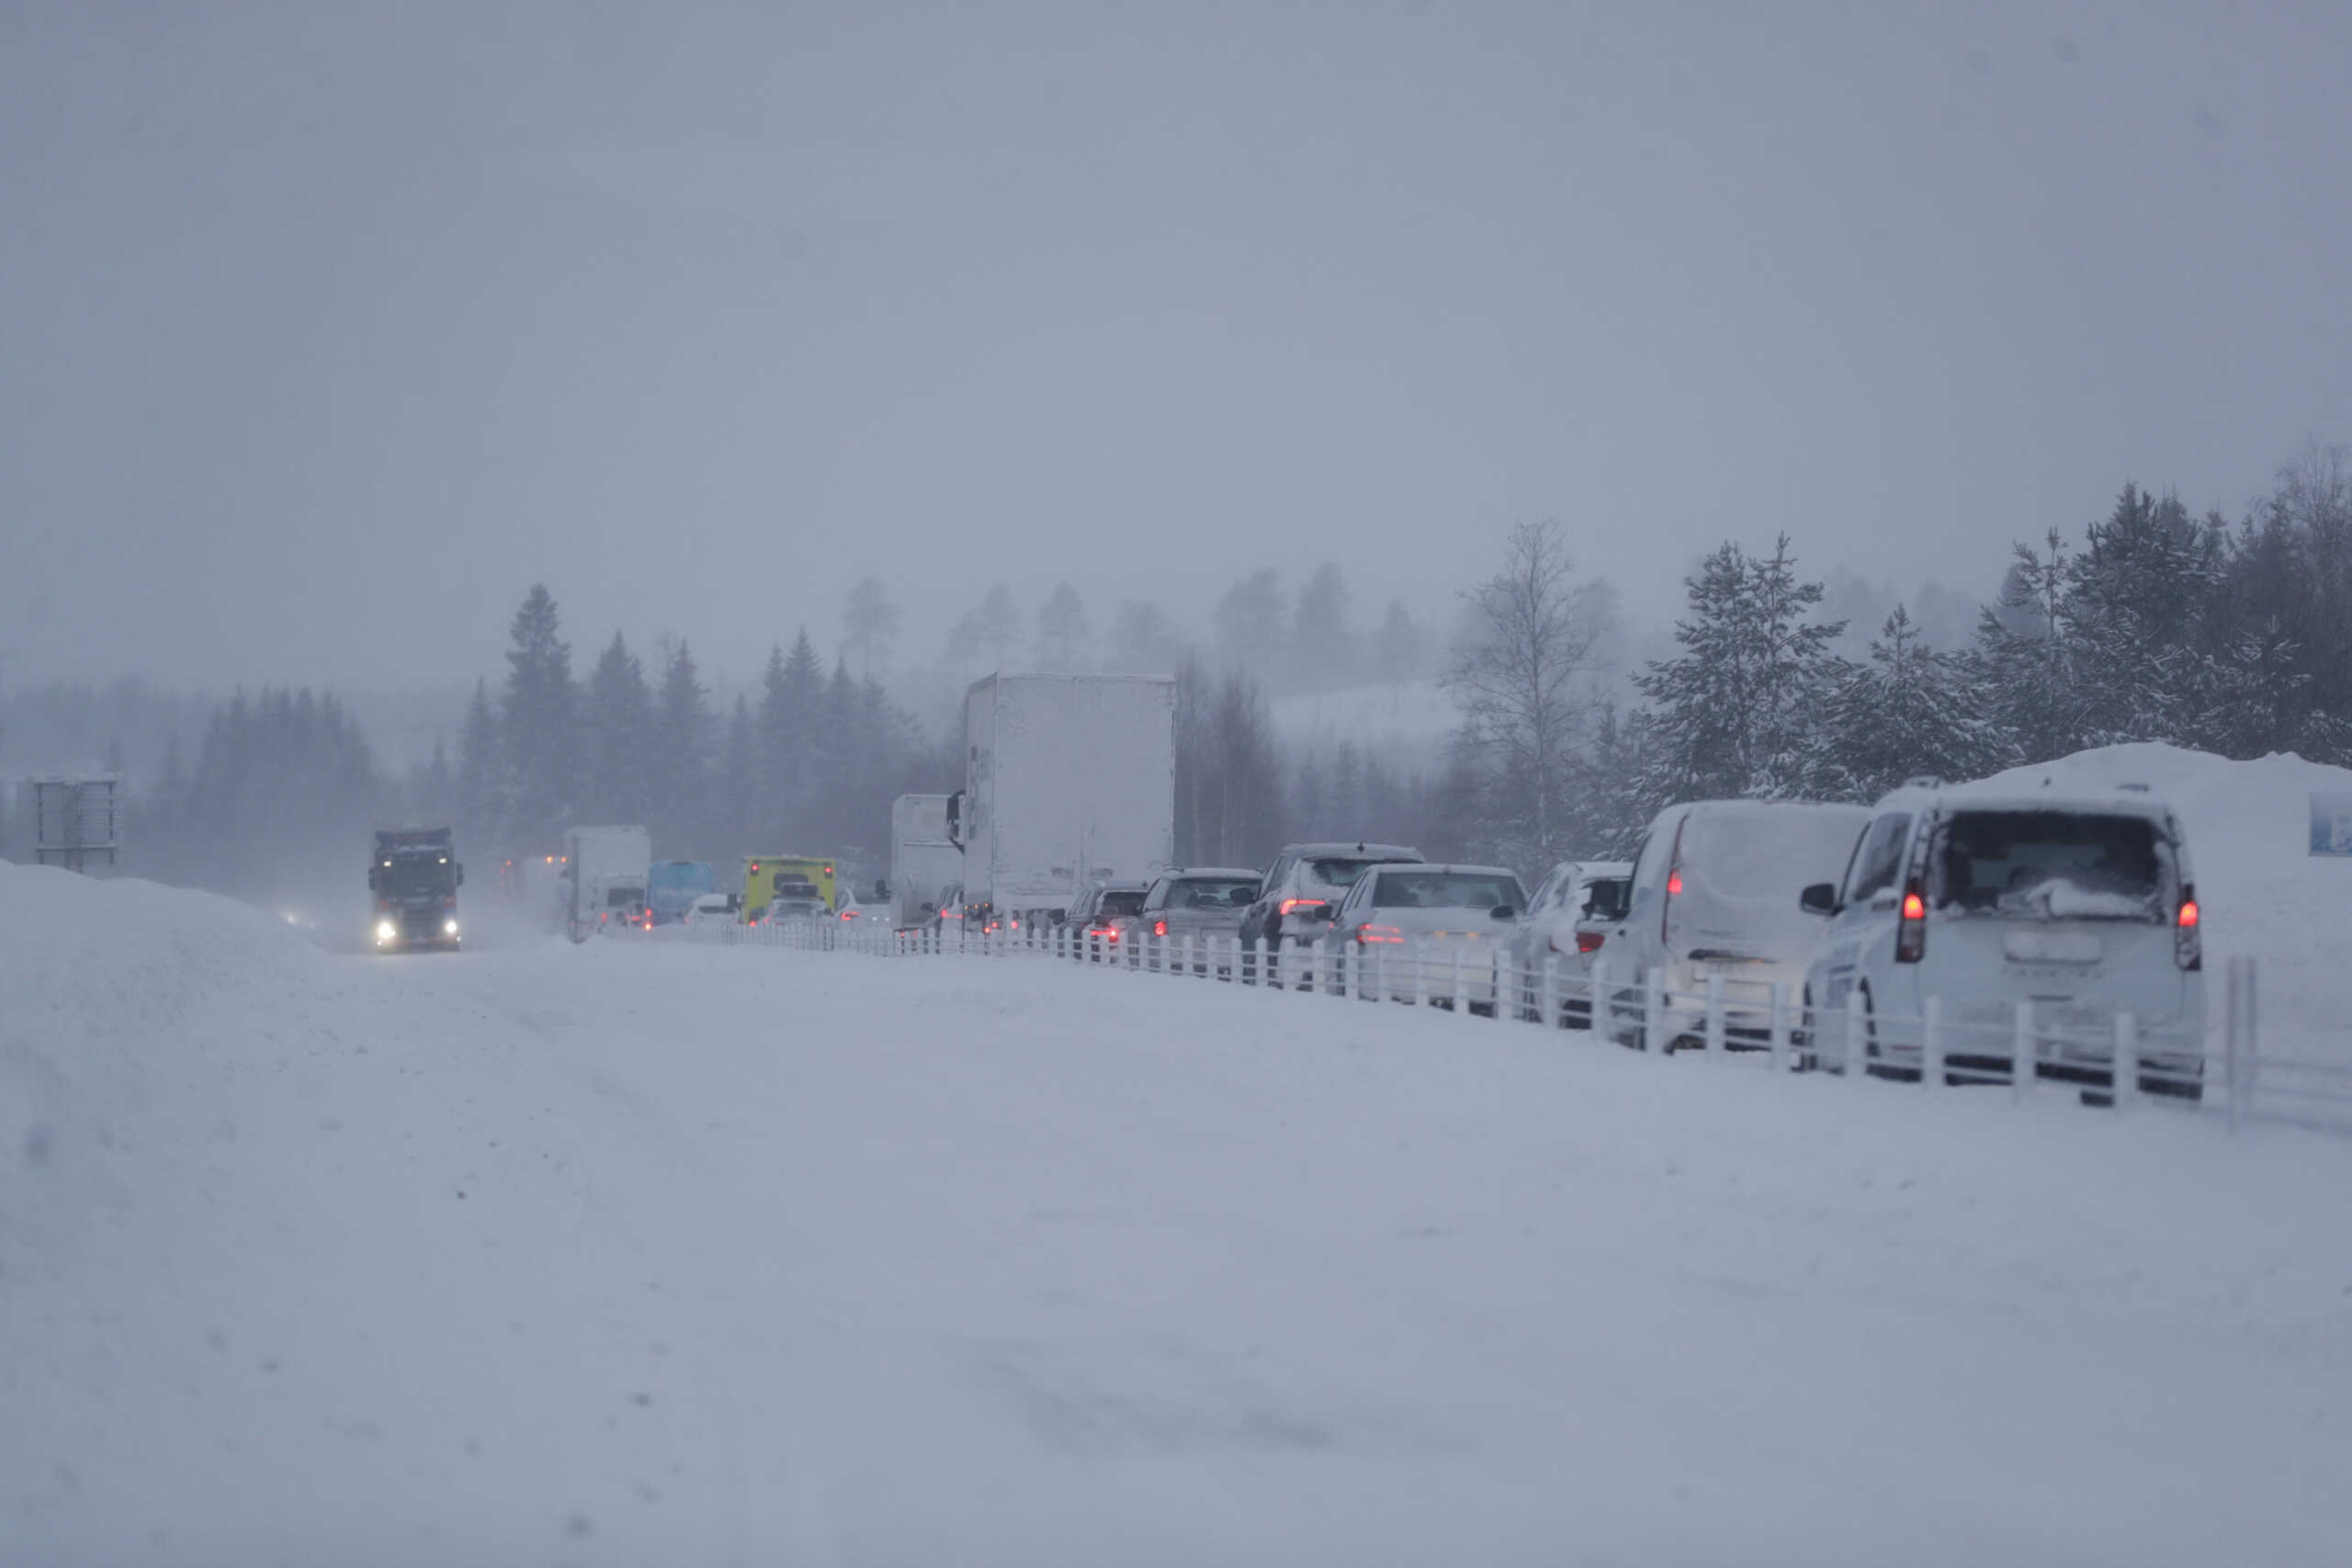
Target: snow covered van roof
x,y
2008,794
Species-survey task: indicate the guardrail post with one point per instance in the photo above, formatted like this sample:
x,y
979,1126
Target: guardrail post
x,y
2230,1044
1454,979
1777,1037
1547,993
1653,1012
1931,1043
1856,1044
1716,1020
2025,1054
2124,1071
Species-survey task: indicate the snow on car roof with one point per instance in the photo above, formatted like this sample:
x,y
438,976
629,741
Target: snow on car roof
x,y
1351,848
1238,872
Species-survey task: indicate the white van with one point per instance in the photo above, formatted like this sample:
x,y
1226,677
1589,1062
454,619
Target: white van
x,y
1715,897
2080,904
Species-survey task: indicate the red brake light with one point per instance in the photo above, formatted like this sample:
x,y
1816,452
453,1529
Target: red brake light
x,y
2188,941
1371,933
849,914
1911,931
1160,927
2188,915
1590,941
755,868
1292,905
829,871
1674,885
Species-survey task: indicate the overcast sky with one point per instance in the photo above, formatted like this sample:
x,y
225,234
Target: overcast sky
x,y
325,330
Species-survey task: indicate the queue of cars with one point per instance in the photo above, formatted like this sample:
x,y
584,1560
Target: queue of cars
x,y
2063,919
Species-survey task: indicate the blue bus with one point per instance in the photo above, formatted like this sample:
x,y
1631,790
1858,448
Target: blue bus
x,y
673,885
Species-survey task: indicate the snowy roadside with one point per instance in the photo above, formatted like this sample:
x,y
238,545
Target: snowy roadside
x,y
658,1252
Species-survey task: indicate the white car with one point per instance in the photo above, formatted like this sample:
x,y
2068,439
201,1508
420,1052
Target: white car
x,y
1714,899
712,910
1566,923
2080,904
1423,930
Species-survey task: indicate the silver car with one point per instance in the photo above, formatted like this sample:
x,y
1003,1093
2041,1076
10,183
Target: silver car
x,y
1433,931
1565,924
1201,904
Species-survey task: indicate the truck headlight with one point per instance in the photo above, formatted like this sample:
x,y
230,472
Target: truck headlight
x,y
449,928
386,931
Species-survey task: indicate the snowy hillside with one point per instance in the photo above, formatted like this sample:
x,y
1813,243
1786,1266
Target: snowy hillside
x,y
663,1253
2261,890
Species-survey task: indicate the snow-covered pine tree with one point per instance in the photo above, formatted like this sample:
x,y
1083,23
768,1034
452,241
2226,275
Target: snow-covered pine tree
x,y
617,744
536,720
1908,710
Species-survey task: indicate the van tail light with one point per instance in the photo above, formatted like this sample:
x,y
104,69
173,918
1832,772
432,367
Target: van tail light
x,y
1160,927
1292,906
1673,883
1911,931
1590,941
2187,938
1368,934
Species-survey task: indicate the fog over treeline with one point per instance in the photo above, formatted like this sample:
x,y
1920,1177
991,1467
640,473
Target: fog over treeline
x,y
1523,722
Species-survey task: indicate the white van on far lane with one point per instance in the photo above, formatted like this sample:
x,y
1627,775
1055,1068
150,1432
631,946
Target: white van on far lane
x,y
2080,904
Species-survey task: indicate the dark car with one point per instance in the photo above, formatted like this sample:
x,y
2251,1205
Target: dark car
x,y
1306,885
1094,919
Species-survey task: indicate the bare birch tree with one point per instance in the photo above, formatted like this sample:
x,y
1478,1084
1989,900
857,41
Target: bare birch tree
x,y
1517,678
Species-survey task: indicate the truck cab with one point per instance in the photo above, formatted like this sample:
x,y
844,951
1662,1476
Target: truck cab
x,y
414,877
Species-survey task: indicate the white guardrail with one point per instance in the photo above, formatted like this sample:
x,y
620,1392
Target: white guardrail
x,y
1757,1024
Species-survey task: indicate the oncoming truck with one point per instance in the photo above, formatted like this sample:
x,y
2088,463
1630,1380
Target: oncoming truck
x,y
1070,780
414,877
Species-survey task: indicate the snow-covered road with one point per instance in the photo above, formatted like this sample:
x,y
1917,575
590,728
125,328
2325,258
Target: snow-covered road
x,y
662,1253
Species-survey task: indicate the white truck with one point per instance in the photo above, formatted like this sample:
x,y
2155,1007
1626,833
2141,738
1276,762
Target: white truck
x,y
604,882
1069,780
924,862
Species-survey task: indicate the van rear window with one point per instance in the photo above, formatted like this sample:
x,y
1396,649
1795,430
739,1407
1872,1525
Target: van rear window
x,y
2051,866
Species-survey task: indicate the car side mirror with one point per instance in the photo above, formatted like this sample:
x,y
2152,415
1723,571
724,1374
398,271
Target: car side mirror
x,y
1821,898
1505,912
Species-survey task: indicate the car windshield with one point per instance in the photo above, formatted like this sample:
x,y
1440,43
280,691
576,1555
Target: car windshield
x,y
1118,902
1211,893
1444,890
2051,866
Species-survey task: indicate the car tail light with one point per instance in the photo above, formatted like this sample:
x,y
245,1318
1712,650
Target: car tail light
x,y
1911,931
1108,934
1590,941
1292,906
1367,934
849,914
2187,938
1160,927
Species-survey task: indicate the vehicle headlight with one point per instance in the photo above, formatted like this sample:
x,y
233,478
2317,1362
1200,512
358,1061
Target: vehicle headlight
x,y
386,931
449,928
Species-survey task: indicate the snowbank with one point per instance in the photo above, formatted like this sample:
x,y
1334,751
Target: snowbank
x,y
656,1252
2259,889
